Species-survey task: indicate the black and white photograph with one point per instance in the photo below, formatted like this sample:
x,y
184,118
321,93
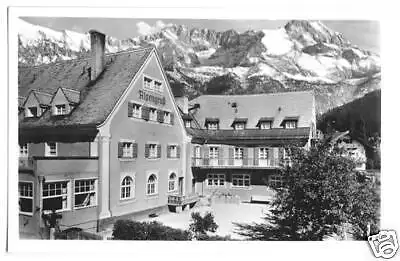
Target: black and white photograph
x,y
174,128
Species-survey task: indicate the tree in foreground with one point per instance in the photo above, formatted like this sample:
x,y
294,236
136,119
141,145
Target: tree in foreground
x,y
199,225
321,196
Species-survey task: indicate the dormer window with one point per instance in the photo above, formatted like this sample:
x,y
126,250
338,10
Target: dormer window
x,y
152,85
153,114
212,126
265,123
239,126
290,124
157,86
31,112
60,109
188,123
147,83
212,123
239,123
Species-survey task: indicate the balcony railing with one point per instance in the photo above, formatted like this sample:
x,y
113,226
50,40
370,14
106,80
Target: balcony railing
x,y
179,200
25,163
238,163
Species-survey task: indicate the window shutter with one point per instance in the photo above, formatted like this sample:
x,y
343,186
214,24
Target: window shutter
x,y
120,151
206,156
220,156
256,155
178,151
172,118
145,113
271,156
135,150
130,109
245,156
230,156
158,151
160,116
147,150
168,151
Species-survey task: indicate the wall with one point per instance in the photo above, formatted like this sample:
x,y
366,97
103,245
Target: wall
x,y
141,132
81,149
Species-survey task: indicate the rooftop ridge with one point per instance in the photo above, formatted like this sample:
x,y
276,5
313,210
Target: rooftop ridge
x,y
68,89
26,67
253,94
42,92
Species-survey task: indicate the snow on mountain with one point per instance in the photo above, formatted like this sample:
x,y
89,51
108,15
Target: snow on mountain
x,y
301,55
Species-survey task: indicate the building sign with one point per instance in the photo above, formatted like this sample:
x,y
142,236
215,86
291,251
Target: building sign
x,y
148,97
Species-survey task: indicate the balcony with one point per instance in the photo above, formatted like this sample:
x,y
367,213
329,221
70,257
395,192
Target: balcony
x,y
271,163
179,200
25,164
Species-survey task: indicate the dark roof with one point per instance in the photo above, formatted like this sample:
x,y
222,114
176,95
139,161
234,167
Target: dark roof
x,y
42,97
212,120
97,98
275,136
21,101
239,120
255,106
186,116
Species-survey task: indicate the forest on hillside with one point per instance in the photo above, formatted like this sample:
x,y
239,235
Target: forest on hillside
x,y
362,117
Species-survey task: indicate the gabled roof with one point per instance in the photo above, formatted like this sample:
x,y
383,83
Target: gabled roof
x,y
255,106
212,120
73,96
97,98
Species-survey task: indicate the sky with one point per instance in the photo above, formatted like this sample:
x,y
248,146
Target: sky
x,y
365,34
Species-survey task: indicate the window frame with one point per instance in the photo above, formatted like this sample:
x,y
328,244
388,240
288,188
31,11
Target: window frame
x,y
127,153
263,155
173,147
243,179
24,152
153,151
241,124
29,113
264,124
188,123
216,177
276,180
48,149
212,126
27,197
152,114
125,187
67,194
214,154
154,184
291,124
167,117
95,191
238,153
172,181
60,109
136,110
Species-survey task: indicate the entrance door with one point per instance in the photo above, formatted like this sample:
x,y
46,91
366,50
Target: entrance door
x,y
180,185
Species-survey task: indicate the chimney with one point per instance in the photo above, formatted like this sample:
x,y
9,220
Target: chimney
x,y
97,49
183,103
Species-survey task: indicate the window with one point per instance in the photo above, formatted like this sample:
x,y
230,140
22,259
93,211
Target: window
x,y
172,180
25,190
61,109
55,196
127,188
127,149
265,125
152,185
85,193
290,124
241,180
188,123
147,83
173,151
158,86
51,149
213,152
31,112
23,150
239,126
216,180
153,114
136,110
153,151
212,126
167,117
276,181
263,153
238,153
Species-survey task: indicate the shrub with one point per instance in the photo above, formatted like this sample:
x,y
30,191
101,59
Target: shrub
x,y
199,225
134,230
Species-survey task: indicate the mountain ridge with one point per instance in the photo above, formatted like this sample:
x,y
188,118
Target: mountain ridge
x,y
302,55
